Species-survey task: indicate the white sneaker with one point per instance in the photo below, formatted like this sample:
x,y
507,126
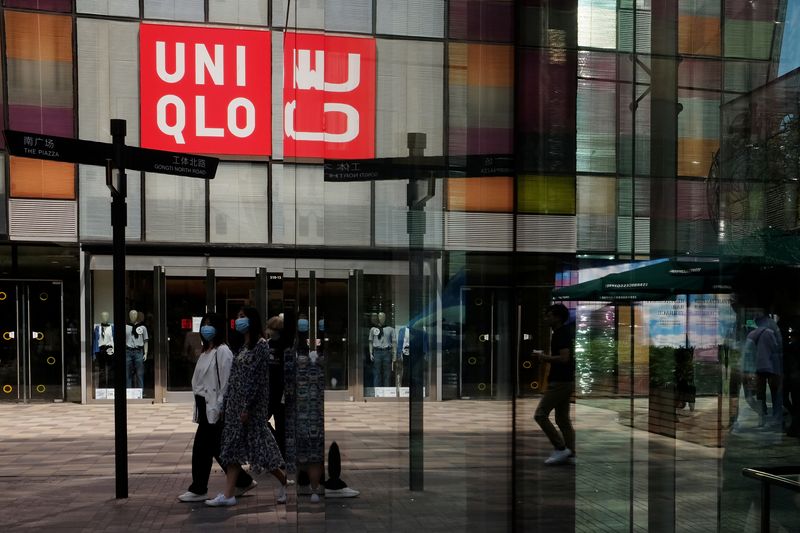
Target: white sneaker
x,y
190,496
345,492
282,494
221,501
558,457
242,490
315,498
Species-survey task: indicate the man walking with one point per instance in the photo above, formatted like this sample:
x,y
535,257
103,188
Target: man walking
x,y
560,385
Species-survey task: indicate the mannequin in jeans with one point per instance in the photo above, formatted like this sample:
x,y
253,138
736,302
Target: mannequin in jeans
x,y
381,343
135,348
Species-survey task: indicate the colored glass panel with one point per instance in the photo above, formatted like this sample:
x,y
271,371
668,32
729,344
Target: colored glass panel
x,y
546,195
480,194
699,35
34,178
64,6
481,20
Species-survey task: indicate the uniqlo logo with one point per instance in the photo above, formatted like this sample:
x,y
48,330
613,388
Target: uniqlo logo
x,y
328,96
205,90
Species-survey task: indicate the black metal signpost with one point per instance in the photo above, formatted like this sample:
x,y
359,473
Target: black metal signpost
x,y
114,156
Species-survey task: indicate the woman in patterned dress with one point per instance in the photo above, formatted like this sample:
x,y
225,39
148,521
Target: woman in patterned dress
x,y
246,437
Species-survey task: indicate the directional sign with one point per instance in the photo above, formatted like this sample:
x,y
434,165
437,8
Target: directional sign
x,y
66,150
398,168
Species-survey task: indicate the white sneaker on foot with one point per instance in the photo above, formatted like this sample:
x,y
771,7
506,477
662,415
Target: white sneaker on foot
x,y
558,457
282,494
345,492
190,496
221,501
242,490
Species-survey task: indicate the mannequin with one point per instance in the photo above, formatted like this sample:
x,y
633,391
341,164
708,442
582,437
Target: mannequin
x,y
381,343
135,348
103,348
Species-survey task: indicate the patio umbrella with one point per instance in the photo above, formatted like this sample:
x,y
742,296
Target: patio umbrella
x,y
659,281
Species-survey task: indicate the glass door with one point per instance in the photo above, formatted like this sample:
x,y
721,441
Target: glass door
x,y
185,307
31,341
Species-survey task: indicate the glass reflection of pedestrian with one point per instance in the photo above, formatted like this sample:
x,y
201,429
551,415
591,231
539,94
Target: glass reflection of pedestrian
x,y
560,385
209,383
245,436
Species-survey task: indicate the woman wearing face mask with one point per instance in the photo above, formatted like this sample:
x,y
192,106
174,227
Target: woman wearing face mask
x,y
209,383
246,437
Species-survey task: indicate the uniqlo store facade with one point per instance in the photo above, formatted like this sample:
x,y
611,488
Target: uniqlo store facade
x,y
563,141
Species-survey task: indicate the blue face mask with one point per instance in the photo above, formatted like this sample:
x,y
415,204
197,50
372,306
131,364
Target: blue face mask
x,y
208,332
302,325
242,324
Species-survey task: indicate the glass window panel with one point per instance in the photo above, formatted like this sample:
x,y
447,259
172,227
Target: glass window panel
x,y
64,6
303,14
546,195
39,71
333,214
700,74
175,208
596,195
35,178
277,94
481,99
480,194
596,126
597,23
120,8
642,31
239,11
699,35
700,115
744,76
174,9
95,204
38,37
595,64
108,78
634,146
626,196
239,203
695,156
348,15
704,8
748,39
481,20
410,96
411,17
391,211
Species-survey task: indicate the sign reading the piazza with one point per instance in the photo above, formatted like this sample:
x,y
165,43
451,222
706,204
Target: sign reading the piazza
x,y
205,90
328,96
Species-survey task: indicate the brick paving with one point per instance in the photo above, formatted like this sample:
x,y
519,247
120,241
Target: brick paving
x,y
57,472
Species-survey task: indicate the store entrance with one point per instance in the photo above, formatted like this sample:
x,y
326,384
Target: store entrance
x,y
31,341
492,331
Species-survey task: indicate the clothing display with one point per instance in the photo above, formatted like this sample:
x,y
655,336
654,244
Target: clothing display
x,y
248,390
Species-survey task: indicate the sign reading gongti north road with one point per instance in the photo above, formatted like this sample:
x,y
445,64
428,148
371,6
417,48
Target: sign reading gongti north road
x,y
66,150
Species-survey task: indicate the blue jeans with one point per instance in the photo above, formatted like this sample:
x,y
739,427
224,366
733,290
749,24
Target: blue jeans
x,y
382,367
135,363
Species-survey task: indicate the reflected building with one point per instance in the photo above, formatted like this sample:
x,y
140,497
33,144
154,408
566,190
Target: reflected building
x,y
562,142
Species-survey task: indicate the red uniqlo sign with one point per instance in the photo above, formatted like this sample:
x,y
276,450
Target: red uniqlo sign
x,y
205,90
328,96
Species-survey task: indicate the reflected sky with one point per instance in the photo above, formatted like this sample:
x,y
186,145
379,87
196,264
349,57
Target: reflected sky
x,y
790,47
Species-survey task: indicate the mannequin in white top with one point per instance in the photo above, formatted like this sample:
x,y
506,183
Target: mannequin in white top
x,y
135,348
381,344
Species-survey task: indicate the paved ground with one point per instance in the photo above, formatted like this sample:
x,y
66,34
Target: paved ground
x,y
57,473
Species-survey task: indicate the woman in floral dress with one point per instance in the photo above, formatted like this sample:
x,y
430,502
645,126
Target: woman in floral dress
x,y
246,437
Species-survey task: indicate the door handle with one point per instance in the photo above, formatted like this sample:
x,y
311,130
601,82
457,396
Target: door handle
x,y
9,335
37,335
484,337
